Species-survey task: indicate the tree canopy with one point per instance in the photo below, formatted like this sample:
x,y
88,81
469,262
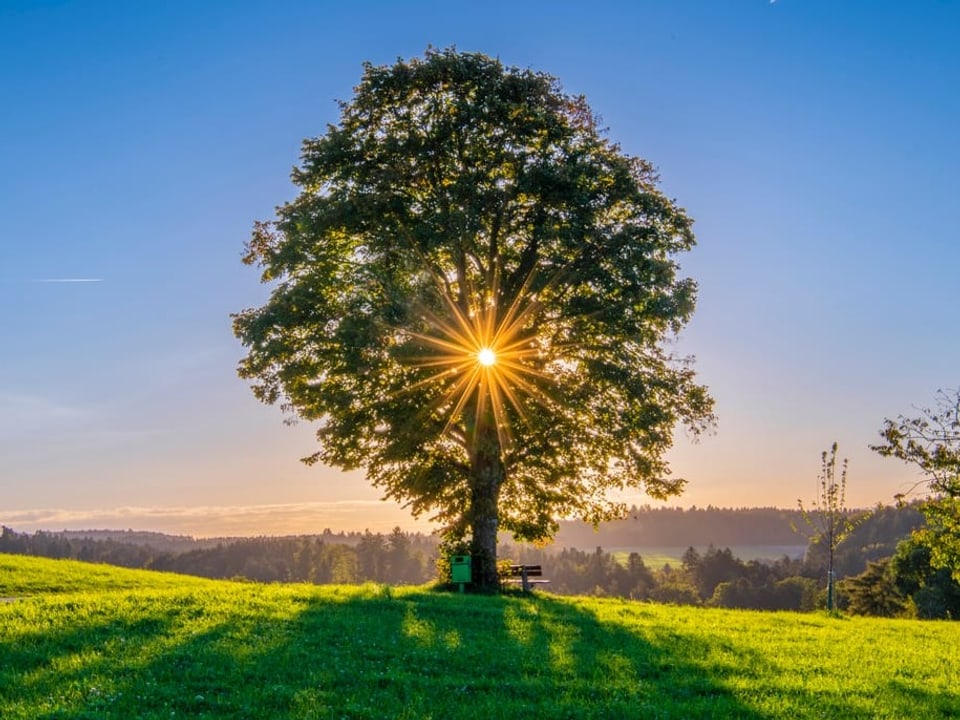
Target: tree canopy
x,y
471,296
931,442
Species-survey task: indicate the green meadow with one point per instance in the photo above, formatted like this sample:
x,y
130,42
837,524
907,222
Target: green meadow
x,y
90,641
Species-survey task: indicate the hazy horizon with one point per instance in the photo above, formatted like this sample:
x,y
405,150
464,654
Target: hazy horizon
x,y
254,521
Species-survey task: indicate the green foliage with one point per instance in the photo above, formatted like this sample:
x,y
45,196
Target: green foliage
x,y
874,591
719,579
942,532
793,593
710,569
458,200
932,591
905,585
449,547
674,590
931,442
133,645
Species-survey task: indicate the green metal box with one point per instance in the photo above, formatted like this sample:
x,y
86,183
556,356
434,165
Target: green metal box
x,y
460,569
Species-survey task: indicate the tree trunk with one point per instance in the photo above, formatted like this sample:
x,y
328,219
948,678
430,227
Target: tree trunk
x,y
488,476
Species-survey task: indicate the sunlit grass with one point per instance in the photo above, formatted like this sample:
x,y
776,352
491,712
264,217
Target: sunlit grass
x,y
21,575
134,644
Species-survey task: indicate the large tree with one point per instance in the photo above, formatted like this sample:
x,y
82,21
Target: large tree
x,y
472,295
931,442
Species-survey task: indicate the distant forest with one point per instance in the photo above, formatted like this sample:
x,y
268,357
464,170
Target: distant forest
x,y
708,574
642,527
676,527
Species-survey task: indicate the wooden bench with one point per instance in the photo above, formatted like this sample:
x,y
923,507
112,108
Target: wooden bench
x,y
523,573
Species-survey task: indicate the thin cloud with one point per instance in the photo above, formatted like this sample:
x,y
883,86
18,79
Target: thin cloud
x,y
24,411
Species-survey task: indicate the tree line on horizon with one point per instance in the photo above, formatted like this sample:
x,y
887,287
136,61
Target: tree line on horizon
x,y
679,527
882,571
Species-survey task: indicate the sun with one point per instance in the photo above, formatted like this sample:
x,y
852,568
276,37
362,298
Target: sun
x,y
486,357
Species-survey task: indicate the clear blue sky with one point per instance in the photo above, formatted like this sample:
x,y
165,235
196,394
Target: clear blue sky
x,y
814,142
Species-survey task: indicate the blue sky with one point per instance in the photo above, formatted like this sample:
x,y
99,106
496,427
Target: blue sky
x,y
814,142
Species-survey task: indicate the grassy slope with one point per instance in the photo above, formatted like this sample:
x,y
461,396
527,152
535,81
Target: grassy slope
x,y
98,642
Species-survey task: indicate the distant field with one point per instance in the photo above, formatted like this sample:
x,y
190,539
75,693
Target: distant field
x,y
109,643
657,557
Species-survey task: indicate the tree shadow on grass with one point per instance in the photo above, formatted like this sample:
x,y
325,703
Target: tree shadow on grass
x,y
44,667
374,652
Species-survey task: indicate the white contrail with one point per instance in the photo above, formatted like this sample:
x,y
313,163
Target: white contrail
x,y
68,280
